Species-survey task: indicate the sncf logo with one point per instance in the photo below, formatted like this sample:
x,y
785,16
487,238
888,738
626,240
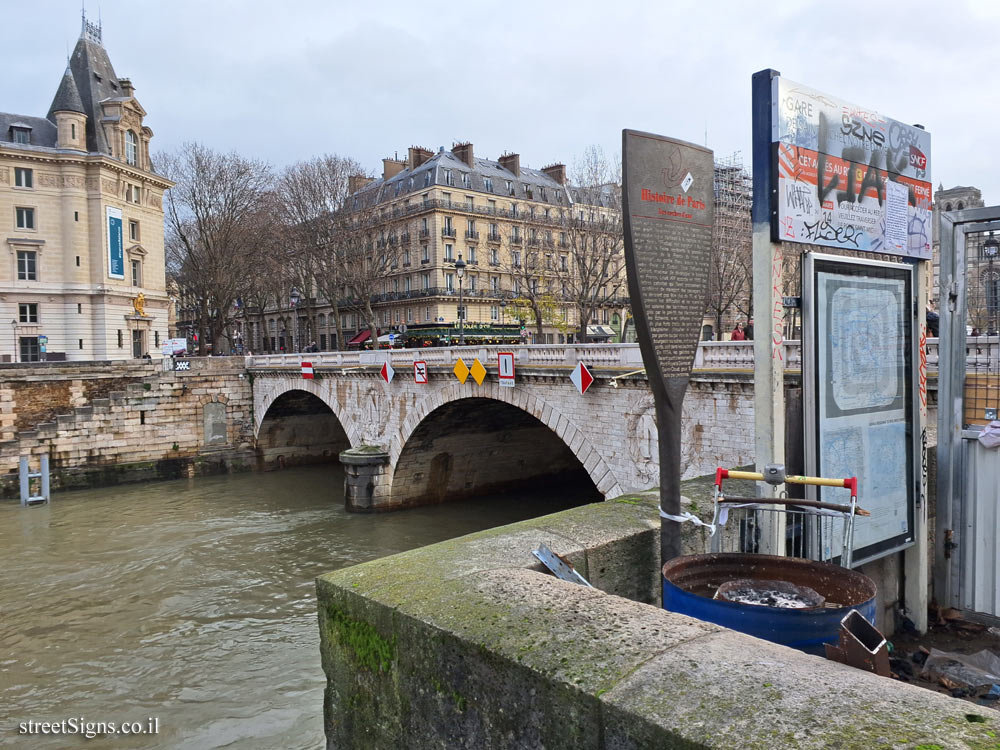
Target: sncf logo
x,y
917,158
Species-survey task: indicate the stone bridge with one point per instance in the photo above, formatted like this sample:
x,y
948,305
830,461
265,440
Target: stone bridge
x,y
415,443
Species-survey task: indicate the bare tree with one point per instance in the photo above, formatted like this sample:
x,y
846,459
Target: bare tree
x,y
312,196
731,271
530,281
367,252
217,217
591,257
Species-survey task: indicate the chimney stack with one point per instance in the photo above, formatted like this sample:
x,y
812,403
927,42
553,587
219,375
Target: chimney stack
x,y
127,88
557,172
418,156
357,181
512,163
464,152
392,167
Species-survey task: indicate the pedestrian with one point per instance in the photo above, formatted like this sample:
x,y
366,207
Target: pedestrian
x,y
738,334
933,322
748,330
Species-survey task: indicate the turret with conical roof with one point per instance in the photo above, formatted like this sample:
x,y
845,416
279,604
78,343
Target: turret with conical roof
x,y
68,114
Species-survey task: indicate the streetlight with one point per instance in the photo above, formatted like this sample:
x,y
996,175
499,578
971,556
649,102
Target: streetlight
x,y
13,325
295,296
990,248
460,270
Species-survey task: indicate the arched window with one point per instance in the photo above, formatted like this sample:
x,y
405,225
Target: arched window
x,y
947,207
130,147
960,205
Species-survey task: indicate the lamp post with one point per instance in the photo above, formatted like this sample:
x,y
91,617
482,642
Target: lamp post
x,y
13,326
294,298
460,270
990,248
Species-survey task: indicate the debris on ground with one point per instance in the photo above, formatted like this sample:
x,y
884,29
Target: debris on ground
x,y
956,657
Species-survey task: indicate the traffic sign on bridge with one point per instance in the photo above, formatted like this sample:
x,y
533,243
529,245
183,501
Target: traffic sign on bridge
x,y
581,377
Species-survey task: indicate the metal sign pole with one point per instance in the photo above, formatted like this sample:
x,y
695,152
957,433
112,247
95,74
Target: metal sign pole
x,y
769,312
915,561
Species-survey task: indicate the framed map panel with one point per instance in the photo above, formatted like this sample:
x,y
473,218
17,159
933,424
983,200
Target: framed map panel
x,y
858,386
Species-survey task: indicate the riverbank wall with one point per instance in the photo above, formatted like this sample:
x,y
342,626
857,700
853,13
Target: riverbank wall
x,y
106,423
468,643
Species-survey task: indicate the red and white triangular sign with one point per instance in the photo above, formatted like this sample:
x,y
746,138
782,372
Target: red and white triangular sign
x,y
387,372
581,377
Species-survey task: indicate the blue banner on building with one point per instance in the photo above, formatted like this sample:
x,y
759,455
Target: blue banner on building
x,y
116,245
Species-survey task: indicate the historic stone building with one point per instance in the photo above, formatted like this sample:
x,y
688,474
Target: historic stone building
x,y
81,215
982,261
518,234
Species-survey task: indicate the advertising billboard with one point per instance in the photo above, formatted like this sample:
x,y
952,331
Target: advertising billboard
x,y
848,176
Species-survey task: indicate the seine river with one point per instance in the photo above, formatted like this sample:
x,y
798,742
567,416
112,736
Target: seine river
x,y
191,603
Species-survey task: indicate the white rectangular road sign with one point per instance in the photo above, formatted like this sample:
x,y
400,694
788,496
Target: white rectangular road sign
x,y
419,372
505,368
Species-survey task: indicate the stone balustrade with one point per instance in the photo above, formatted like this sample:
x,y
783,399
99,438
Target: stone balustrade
x,y
983,356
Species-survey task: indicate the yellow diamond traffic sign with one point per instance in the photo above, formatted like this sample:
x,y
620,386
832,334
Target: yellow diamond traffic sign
x,y
478,371
461,371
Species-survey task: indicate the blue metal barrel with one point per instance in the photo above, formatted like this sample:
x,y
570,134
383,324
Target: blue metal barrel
x,y
690,582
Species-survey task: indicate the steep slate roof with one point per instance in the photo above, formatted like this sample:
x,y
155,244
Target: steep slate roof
x,y
380,189
95,80
67,98
43,132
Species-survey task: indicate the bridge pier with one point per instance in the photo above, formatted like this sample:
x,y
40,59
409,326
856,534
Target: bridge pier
x,y
366,478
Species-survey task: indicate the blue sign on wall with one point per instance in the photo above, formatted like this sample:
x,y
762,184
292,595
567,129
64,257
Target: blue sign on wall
x,y
116,245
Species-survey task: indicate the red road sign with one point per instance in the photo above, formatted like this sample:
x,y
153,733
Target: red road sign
x,y
307,370
419,372
505,368
581,377
387,372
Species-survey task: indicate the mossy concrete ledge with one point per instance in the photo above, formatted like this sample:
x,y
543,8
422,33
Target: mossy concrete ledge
x,y
469,644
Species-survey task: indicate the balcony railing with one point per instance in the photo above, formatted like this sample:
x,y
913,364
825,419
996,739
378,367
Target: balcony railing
x,y
493,237
448,232
472,236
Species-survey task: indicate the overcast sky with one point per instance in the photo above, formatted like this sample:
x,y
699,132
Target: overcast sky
x,y
287,81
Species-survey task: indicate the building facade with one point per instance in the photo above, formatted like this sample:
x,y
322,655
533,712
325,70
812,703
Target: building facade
x,y
81,215
524,239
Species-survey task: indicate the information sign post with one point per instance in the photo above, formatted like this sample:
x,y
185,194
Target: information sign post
x,y
668,208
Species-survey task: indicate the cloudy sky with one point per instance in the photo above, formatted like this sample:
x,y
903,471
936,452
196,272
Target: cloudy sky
x,y
287,81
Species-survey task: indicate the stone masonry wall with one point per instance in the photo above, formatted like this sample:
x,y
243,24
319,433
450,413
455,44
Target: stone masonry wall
x,y
160,425
468,643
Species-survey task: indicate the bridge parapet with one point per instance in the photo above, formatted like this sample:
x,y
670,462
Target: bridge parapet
x,y
711,355
983,355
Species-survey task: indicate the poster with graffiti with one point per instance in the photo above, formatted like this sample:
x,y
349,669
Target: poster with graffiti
x,y
862,397
849,177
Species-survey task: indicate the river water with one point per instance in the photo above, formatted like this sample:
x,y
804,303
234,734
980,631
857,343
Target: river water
x,y
191,602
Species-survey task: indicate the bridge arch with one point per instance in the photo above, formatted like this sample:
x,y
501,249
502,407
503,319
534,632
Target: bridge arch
x,y
423,468
297,422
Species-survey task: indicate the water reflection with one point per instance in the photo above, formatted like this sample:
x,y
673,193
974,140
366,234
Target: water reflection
x,y
192,601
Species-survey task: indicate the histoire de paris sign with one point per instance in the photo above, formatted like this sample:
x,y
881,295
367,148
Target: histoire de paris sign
x,y
669,206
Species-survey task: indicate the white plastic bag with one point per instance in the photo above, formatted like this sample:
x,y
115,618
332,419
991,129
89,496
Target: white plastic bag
x,y
990,436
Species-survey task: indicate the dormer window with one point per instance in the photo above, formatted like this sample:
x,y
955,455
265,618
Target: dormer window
x,y
20,134
130,148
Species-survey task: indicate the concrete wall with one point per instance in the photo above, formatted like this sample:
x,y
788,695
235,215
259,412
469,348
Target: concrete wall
x,y
467,644
115,422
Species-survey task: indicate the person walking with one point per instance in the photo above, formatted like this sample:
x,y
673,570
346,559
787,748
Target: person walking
x,y
738,334
748,331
